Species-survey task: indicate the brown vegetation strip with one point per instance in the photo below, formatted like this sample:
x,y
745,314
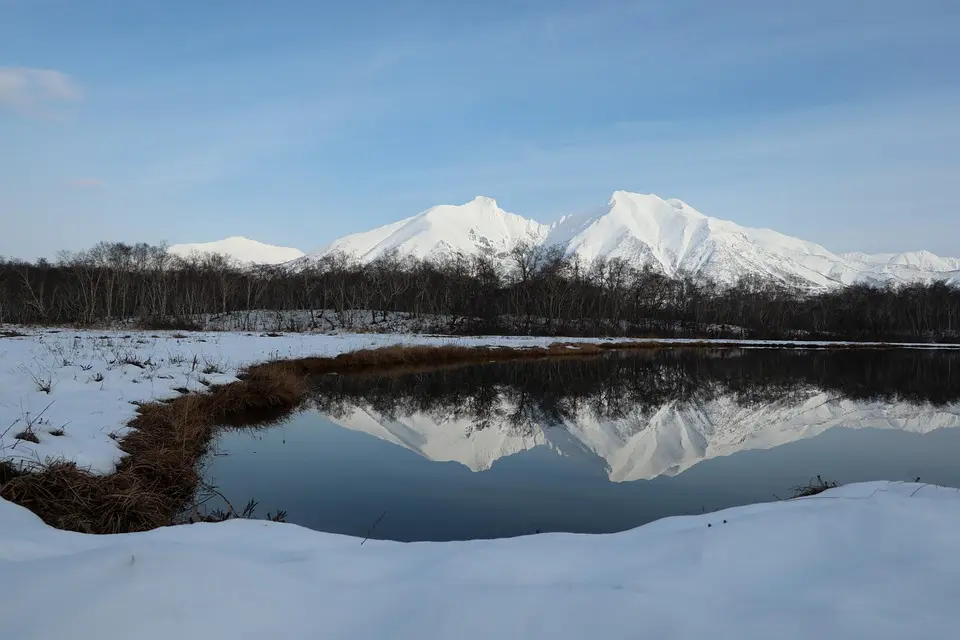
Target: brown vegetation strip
x,y
158,477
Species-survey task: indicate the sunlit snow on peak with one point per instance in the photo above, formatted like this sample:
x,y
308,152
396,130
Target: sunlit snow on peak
x,y
647,231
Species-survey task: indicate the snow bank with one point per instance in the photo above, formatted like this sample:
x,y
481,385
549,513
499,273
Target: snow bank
x,y
873,560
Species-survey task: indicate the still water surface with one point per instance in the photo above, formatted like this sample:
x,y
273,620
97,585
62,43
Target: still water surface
x,y
594,445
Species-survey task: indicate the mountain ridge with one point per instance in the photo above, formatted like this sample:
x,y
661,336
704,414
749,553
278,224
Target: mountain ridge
x,y
242,250
478,225
667,235
645,230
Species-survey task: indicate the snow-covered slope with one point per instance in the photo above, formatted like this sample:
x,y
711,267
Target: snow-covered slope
x,y
667,235
673,237
241,249
874,560
664,441
923,260
912,266
480,226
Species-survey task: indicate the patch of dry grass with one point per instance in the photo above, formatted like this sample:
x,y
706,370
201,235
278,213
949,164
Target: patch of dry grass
x,y
28,435
159,474
8,471
403,359
813,488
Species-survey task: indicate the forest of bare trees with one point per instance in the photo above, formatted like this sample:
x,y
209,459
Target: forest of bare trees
x,y
533,291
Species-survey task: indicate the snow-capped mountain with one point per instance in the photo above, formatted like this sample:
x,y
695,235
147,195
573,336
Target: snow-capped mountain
x,y
479,226
673,237
240,249
922,260
667,235
663,441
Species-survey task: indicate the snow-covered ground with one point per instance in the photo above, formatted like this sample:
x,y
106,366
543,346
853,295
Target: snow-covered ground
x,y
874,560
74,390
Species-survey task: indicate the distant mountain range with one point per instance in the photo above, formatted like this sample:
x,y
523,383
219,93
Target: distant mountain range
x,y
668,235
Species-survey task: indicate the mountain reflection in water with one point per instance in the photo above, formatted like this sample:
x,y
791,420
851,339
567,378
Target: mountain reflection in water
x,y
594,445
650,413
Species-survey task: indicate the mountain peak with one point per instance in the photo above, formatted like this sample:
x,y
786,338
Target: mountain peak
x,y
479,226
650,203
239,248
484,201
479,207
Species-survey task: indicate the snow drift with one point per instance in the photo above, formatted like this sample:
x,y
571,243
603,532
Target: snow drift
x,y
874,560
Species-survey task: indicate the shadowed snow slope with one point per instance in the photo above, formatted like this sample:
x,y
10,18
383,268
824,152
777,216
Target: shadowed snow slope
x,y
644,445
241,249
874,560
667,235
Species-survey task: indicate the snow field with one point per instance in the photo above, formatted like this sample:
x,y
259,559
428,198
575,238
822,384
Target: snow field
x,y
874,560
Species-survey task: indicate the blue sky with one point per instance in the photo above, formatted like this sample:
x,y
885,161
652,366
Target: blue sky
x,y
296,122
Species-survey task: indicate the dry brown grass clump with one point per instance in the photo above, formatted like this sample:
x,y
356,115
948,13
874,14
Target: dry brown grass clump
x,y
813,488
402,358
8,471
69,498
27,435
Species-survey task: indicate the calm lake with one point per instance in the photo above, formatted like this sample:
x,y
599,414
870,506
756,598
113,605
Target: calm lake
x,y
594,445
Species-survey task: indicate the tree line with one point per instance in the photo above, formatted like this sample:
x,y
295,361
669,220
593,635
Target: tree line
x,y
533,291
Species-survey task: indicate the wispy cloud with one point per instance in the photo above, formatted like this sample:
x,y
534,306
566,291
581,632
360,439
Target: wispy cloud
x,y
29,91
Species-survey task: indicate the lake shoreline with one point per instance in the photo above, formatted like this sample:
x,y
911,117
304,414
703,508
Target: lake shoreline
x,y
164,441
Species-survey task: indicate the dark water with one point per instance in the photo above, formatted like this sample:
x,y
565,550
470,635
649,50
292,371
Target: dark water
x,y
596,445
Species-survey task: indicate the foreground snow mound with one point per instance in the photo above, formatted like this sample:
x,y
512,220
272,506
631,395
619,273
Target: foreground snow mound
x,y
871,560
